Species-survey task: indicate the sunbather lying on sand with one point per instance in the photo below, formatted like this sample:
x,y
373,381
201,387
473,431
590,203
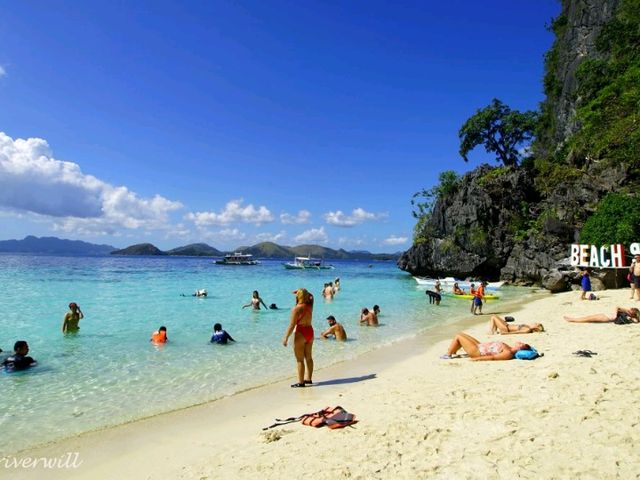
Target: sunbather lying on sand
x,y
483,351
498,324
630,313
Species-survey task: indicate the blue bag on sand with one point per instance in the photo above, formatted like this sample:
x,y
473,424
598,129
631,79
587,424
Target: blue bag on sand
x,y
527,354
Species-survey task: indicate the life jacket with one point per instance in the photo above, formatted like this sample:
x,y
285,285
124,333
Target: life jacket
x,y
159,337
332,417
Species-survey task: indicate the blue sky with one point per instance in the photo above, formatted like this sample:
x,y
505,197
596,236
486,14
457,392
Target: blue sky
x,y
237,122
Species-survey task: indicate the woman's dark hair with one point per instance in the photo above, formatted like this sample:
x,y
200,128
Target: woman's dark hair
x,y
19,344
217,327
162,329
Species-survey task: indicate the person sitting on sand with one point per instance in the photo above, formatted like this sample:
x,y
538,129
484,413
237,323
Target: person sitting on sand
x,y
457,290
160,336
335,330
19,359
220,336
500,325
327,291
630,314
368,318
255,301
72,319
483,351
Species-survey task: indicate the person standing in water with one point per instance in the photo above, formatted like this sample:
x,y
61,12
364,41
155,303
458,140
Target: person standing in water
x,y
256,301
72,319
301,318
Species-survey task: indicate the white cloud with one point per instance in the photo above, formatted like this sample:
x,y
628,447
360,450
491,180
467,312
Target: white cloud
x,y
313,235
271,237
233,211
393,240
3,72
350,242
303,216
358,216
31,180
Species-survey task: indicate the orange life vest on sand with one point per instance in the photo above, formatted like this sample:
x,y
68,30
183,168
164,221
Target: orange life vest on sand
x,y
159,337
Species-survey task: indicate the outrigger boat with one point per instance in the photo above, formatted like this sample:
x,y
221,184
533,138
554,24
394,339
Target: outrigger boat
x,y
237,258
307,263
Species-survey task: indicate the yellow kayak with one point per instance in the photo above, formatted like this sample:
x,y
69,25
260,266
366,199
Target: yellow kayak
x,y
468,296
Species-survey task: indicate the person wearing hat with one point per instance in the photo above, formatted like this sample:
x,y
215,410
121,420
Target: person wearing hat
x,y
72,318
335,330
302,330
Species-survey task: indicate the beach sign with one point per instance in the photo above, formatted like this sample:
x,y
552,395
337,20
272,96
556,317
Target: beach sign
x,y
605,256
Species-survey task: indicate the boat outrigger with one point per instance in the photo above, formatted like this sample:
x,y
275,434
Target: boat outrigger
x,y
237,258
307,263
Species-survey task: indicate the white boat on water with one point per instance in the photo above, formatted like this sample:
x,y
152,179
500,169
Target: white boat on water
x,y
307,263
448,282
237,258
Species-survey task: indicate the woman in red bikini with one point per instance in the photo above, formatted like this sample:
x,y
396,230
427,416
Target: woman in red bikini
x,y
301,315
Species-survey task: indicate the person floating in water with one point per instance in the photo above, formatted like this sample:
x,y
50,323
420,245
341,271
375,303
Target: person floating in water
x,y
19,359
220,336
255,301
201,292
335,330
160,336
72,319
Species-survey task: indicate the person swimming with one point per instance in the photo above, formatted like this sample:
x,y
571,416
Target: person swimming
x,y
19,360
160,336
220,336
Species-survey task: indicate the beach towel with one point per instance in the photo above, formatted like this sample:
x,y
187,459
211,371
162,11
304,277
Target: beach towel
x,y
332,417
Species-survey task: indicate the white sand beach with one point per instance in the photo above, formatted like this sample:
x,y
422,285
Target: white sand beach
x,y
560,416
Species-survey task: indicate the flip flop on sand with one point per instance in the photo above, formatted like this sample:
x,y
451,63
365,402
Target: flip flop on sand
x,y
446,356
584,353
297,385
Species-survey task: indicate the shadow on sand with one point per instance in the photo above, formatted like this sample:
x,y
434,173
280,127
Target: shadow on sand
x,y
340,381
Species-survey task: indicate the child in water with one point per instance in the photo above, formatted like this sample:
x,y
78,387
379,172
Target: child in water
x,y
220,336
159,337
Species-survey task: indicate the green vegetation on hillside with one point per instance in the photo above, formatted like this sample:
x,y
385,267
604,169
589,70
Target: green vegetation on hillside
x,y
616,220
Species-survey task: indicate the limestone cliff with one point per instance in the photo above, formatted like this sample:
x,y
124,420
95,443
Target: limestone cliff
x,y
516,223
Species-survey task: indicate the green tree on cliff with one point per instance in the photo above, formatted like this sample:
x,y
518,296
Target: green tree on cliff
x,y
501,130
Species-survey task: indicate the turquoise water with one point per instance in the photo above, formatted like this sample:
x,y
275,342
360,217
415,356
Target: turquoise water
x,y
109,373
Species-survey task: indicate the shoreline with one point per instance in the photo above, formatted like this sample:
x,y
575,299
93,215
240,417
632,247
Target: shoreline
x,y
346,371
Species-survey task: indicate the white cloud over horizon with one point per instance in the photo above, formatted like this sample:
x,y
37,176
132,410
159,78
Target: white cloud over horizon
x,y
271,237
3,72
313,235
32,180
233,211
303,216
394,240
358,216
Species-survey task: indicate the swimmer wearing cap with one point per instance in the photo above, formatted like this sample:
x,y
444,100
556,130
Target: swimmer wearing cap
x,y
72,319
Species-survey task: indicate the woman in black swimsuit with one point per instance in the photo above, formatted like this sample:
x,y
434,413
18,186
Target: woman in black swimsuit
x,y
499,325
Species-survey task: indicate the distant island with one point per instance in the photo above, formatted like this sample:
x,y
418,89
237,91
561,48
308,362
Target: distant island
x,y
53,246
260,250
59,246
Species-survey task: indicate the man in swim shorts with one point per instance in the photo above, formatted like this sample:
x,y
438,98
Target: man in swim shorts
x,y
335,330
72,319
